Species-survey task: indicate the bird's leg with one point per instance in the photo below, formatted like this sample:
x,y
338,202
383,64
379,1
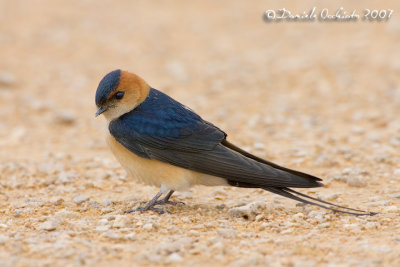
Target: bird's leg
x,y
150,205
166,200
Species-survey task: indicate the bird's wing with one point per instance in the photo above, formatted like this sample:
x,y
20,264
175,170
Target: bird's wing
x,y
199,146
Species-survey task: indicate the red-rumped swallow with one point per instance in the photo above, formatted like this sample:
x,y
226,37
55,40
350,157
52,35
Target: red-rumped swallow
x,y
163,143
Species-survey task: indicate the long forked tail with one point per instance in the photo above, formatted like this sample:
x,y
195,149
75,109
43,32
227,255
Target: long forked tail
x,y
292,194
299,179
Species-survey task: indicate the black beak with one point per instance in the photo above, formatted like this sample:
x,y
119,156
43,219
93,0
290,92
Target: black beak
x,y
101,110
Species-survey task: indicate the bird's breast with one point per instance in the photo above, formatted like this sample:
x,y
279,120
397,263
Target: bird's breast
x,y
157,173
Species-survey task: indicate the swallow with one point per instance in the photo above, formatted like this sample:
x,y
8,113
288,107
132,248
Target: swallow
x,y
163,143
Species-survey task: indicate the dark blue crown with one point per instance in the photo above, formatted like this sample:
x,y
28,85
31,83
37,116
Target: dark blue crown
x,y
108,84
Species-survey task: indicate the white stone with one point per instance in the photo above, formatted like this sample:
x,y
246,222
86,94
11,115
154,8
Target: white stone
x,y
248,212
186,220
227,233
148,227
287,231
370,225
298,217
352,226
317,215
355,181
393,209
379,203
324,225
4,239
79,199
174,258
49,225
193,233
7,79
121,221
131,236
66,214
263,226
56,200
66,177
103,228
112,235
106,202
394,195
347,171
65,117
259,146
103,221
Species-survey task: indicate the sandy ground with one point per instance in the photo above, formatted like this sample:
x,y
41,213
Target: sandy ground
x,y
323,98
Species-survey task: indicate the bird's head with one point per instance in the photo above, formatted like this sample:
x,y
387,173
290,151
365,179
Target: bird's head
x,y
120,92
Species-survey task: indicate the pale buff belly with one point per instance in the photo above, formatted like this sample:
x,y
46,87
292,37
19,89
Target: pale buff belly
x,y
157,173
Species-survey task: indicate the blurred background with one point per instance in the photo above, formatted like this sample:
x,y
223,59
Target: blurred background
x,y
322,97
221,59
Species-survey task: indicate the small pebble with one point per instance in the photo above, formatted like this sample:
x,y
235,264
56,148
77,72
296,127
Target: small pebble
x,y
102,228
7,79
379,203
330,197
353,227
106,203
186,220
112,235
131,236
227,233
287,231
50,225
371,225
56,200
315,213
324,225
356,181
392,209
65,117
248,212
103,221
66,214
193,233
148,227
121,221
174,258
259,146
79,199
263,226
3,239
259,217
66,177
382,158
298,217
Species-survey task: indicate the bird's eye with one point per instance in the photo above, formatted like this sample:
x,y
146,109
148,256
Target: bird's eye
x,y
119,95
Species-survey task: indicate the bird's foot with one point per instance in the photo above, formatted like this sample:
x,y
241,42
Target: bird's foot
x,y
143,209
168,202
150,205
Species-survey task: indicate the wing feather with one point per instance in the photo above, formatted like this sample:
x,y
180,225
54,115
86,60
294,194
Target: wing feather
x,y
201,148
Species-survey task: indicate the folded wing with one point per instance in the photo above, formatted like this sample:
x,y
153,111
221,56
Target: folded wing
x,y
200,146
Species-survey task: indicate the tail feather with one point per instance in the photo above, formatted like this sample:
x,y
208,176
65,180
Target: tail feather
x,y
287,192
320,200
312,180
